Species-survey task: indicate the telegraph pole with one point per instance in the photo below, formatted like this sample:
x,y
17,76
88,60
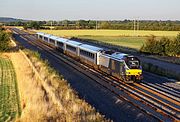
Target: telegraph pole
x,y
96,25
51,24
134,27
137,24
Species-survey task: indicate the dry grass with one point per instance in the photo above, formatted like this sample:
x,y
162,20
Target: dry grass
x,y
31,94
51,99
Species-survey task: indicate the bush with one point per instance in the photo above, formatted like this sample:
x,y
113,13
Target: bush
x,y
176,46
163,46
4,41
149,45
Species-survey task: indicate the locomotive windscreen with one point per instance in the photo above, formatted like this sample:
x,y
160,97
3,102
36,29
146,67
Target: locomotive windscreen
x,y
133,62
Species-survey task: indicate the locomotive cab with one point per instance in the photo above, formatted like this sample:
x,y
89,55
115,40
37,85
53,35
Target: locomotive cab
x,y
134,69
132,62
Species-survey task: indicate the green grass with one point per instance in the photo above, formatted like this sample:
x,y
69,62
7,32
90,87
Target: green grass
x,y
131,42
9,98
126,38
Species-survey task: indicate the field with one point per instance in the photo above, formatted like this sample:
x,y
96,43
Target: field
x,y
126,38
109,33
132,42
9,98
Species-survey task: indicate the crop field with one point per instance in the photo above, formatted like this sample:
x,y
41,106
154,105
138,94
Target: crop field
x,y
9,98
126,38
109,33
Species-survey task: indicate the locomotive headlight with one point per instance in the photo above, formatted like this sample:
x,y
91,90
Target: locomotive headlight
x,y
128,73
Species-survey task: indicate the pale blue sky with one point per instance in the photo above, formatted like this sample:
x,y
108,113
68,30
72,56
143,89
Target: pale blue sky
x,y
91,9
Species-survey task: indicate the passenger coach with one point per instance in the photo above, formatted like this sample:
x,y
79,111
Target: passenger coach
x,y
72,48
90,54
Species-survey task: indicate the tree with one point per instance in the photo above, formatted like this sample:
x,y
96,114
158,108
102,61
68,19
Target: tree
x,y
35,25
65,23
1,28
92,24
177,45
105,25
25,27
81,24
32,25
78,26
163,44
4,41
149,45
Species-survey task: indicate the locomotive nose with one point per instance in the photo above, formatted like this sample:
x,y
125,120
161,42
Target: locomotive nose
x,y
135,72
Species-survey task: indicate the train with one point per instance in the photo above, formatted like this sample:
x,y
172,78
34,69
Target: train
x,y
119,65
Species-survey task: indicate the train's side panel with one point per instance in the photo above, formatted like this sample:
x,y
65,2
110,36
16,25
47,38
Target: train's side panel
x,y
55,43
97,58
115,68
111,66
64,47
104,61
71,53
88,58
87,61
104,64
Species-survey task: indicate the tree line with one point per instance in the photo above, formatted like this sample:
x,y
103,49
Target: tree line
x,y
92,24
4,40
163,46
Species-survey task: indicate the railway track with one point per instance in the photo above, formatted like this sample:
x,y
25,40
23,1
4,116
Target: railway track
x,y
154,100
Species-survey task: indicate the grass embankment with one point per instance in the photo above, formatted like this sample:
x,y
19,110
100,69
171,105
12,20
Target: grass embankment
x,y
46,96
9,96
126,38
163,71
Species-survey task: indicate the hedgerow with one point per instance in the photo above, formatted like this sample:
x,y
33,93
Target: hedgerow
x,y
4,41
163,46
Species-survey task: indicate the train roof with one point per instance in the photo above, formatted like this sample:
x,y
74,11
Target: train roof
x,y
90,48
40,33
44,34
52,37
118,55
63,40
73,43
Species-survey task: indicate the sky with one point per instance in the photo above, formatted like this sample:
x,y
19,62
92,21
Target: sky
x,y
91,9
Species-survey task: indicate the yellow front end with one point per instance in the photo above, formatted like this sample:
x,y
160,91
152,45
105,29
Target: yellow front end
x,y
134,75
135,72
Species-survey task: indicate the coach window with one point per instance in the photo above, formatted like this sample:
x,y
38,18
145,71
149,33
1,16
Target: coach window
x,y
40,37
45,38
71,48
92,55
52,41
87,54
60,44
